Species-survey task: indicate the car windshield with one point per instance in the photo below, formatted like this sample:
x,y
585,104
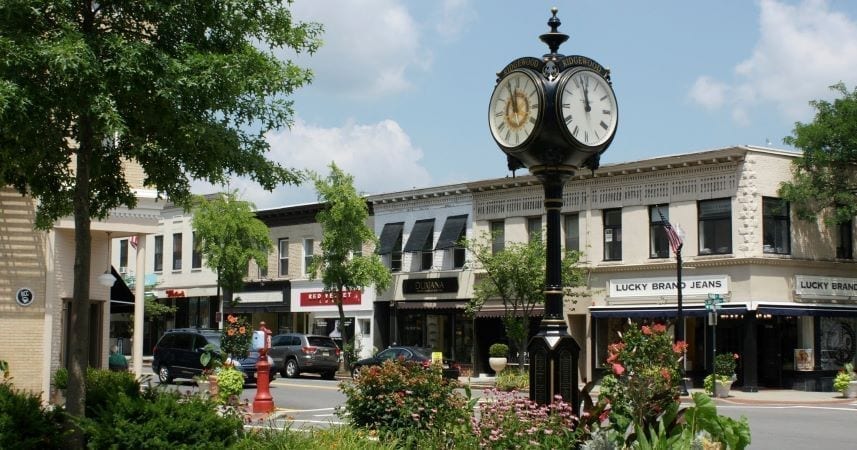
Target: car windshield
x,y
320,341
213,340
424,352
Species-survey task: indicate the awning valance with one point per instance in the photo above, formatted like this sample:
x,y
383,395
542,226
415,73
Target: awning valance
x,y
390,236
452,231
807,310
421,235
662,311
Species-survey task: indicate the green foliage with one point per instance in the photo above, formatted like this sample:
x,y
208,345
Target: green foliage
x,y
163,419
708,382
498,350
230,382
703,417
844,377
516,276
236,336
230,236
104,387
724,364
211,359
513,380
342,264
645,375
402,397
4,368
341,437
25,424
823,175
61,378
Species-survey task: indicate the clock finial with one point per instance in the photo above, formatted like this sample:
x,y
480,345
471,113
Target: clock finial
x,y
554,38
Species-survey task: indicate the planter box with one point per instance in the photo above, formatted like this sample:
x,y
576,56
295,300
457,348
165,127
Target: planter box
x,y
497,364
851,390
721,388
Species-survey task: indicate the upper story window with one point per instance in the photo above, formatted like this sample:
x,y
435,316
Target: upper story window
x,y
844,244
451,238
534,227
715,226
177,251
196,253
390,244
123,254
498,236
159,253
776,231
283,257
421,240
308,253
572,231
659,243
612,234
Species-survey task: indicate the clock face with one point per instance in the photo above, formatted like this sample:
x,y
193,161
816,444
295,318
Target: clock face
x,y
587,108
515,109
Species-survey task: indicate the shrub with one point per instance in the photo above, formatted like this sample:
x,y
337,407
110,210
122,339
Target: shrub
x,y
645,379
401,397
511,420
724,364
229,382
498,350
104,387
163,419
840,383
61,378
317,439
25,424
235,337
513,380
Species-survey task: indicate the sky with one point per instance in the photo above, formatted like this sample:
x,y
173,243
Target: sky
x,y
400,92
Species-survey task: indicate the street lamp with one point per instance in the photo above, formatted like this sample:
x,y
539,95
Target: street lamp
x,y
711,304
554,116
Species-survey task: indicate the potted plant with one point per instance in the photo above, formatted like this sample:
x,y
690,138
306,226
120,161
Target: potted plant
x,y
60,385
719,383
846,381
497,356
211,361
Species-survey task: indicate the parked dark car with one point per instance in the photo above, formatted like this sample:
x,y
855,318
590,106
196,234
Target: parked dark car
x,y
177,355
296,353
406,353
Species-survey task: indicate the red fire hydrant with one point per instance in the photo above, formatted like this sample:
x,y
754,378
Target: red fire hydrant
x,y
263,403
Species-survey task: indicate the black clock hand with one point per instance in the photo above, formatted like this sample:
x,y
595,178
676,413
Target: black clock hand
x,y
514,103
584,83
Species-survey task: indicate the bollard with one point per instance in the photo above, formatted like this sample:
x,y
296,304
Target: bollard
x,y
263,403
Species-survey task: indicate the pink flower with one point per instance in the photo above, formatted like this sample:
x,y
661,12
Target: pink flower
x,y
665,373
646,330
659,328
680,347
618,369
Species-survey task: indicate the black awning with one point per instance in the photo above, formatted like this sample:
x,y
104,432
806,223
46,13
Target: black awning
x,y
657,311
421,234
807,310
390,235
452,231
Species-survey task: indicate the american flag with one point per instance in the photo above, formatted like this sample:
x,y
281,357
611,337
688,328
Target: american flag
x,y
133,241
672,233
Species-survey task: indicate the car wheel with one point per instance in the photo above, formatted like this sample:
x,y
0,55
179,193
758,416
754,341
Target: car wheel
x,y
292,368
165,376
329,375
355,371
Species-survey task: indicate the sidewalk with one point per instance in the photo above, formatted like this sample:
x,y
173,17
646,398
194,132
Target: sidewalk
x,y
736,396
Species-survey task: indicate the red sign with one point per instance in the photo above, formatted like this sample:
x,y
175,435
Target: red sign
x,y
174,293
329,298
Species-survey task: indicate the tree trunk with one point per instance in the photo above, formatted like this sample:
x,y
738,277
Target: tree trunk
x,y
344,365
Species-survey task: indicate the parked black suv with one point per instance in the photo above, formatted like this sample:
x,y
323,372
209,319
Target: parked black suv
x,y
177,355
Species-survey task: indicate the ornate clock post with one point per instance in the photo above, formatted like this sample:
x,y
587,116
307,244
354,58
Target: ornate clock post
x,y
554,116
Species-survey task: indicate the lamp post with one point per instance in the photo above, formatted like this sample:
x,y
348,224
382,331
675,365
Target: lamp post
x,y
711,304
679,326
554,116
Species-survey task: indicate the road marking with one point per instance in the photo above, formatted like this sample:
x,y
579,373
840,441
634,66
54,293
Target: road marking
x,y
829,408
285,410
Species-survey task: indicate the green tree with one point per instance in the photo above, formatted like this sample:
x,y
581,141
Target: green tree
x,y
342,264
186,89
230,236
825,177
516,276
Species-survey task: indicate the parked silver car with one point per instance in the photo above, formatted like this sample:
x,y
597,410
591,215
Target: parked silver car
x,y
296,353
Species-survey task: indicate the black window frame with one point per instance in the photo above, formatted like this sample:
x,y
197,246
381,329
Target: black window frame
x,y
309,252
572,237
612,219
845,240
776,226
659,242
177,251
427,253
712,224
159,254
123,254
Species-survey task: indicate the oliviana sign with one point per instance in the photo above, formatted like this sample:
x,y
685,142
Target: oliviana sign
x,y
667,286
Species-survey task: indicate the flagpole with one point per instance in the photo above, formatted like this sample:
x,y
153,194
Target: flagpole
x,y
679,326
